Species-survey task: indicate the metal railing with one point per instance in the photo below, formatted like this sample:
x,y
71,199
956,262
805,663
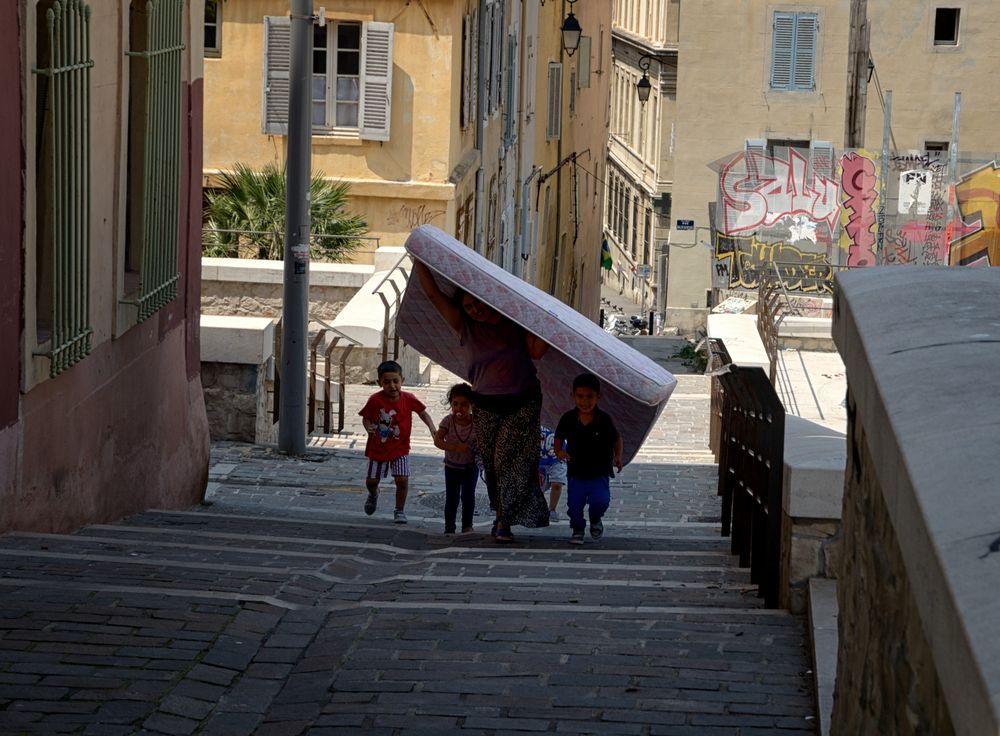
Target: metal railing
x,y
229,243
313,374
159,58
751,454
718,356
314,346
64,174
390,307
771,310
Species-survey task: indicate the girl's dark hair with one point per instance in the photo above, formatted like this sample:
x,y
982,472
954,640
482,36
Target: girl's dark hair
x,y
459,389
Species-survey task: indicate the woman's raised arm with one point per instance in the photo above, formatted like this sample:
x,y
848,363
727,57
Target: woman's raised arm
x,y
441,302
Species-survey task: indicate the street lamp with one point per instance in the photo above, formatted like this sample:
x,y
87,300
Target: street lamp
x,y
643,86
571,31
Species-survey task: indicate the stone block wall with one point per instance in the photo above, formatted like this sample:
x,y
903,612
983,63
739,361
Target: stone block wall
x,y
231,400
810,548
257,299
886,678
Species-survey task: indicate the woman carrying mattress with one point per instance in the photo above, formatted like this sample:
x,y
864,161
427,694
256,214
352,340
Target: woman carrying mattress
x,y
507,401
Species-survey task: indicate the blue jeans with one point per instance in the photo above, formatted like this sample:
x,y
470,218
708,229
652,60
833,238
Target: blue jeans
x,y
579,493
459,483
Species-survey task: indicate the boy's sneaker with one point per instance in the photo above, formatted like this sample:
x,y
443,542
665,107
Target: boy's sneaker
x,y
553,516
398,517
596,529
371,503
577,538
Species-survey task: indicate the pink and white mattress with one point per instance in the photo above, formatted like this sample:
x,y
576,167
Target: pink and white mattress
x,y
634,389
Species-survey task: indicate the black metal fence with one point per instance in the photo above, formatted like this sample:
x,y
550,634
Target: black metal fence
x,y
751,450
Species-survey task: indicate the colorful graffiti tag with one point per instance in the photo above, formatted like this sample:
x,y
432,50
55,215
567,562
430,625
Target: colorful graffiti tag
x,y
741,261
759,191
858,218
774,207
978,195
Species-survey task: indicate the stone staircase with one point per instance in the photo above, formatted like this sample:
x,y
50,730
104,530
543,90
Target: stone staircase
x,y
280,608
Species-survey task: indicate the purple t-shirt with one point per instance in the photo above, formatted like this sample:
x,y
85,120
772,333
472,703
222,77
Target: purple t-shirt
x,y
496,357
454,432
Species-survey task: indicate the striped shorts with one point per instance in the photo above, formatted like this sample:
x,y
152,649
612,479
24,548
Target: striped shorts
x,y
384,468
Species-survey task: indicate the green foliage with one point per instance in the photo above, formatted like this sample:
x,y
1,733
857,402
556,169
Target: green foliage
x,y
246,217
690,356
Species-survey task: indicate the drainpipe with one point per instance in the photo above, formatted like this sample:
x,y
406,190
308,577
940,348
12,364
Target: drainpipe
x,y
558,255
480,129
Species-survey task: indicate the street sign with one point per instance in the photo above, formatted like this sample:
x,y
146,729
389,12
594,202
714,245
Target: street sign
x,y
685,224
643,269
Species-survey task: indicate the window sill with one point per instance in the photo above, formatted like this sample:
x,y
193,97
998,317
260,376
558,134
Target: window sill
x,y
336,139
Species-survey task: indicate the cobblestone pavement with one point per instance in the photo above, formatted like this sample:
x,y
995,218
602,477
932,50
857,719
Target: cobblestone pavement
x,y
278,607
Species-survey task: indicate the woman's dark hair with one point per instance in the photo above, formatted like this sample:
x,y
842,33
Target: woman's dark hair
x,y
459,389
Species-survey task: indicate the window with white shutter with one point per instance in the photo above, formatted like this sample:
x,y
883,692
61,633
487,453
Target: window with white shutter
x,y
553,128
376,80
793,51
351,78
277,54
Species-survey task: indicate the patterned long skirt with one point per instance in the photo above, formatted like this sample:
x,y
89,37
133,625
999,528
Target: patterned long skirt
x,y
509,446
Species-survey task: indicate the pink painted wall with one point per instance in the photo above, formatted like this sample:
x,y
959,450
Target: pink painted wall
x,y
124,429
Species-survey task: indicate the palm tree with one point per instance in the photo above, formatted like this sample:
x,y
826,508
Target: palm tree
x,y
248,213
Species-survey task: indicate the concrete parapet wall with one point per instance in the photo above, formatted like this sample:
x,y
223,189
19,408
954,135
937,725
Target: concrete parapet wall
x,y
237,372
918,631
813,485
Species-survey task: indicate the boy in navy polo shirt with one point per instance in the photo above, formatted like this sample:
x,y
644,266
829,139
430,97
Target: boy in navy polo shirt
x,y
587,439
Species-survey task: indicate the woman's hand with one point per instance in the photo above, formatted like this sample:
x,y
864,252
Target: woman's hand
x,y
537,347
445,307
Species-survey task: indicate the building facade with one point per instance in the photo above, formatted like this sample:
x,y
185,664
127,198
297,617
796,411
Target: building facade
x,y
474,111
782,123
101,410
640,180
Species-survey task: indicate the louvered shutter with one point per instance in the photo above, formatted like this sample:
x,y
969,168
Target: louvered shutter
x,y
755,156
553,130
583,79
782,47
376,80
466,70
804,58
474,68
821,159
277,56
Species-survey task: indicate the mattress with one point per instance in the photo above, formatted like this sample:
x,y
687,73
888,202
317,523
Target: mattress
x,y
634,389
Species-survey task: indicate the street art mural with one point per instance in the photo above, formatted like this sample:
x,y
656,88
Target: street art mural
x,y
978,194
859,216
760,190
741,261
810,219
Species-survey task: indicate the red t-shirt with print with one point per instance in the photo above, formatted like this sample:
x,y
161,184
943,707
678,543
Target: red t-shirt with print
x,y
394,421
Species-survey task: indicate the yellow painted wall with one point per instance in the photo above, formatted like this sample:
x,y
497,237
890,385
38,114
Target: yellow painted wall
x,y
395,184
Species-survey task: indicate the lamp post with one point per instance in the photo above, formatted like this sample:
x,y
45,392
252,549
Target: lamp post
x,y
571,31
643,86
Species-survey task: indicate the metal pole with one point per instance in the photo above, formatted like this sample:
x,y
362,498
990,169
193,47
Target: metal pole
x,y
883,175
295,308
949,226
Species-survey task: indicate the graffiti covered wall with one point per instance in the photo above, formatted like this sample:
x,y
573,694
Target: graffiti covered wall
x,y
811,215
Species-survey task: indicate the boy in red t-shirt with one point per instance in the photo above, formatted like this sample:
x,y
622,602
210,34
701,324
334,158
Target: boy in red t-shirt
x,y
388,418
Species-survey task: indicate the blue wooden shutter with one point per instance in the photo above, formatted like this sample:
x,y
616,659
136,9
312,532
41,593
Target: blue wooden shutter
x,y
782,48
804,59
